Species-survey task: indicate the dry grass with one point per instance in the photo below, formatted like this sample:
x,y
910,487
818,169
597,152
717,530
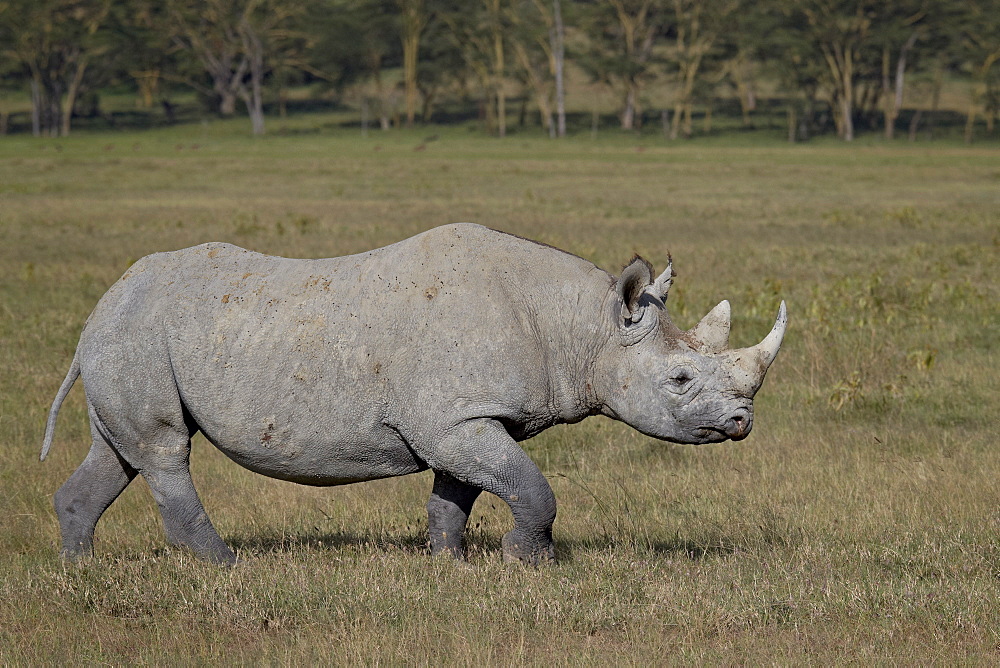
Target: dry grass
x,y
858,524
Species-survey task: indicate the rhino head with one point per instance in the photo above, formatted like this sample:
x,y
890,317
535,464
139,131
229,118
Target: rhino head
x,y
679,386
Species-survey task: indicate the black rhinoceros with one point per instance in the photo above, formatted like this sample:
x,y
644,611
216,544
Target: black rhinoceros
x,y
441,351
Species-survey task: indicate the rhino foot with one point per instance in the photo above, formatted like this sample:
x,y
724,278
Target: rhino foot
x,y
447,513
519,549
76,555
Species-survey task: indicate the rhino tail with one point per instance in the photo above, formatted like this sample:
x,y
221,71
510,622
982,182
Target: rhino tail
x,y
67,384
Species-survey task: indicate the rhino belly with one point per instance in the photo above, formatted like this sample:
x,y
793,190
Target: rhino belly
x,y
312,454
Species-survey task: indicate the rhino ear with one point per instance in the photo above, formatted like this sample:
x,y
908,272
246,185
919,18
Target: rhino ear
x,y
631,285
640,298
711,335
661,286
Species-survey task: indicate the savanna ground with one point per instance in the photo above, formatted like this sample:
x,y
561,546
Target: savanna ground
x,y
858,523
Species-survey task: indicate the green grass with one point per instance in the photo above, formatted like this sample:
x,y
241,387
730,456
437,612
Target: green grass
x,y
859,523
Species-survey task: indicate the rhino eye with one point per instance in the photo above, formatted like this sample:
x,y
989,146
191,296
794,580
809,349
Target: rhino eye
x,y
680,380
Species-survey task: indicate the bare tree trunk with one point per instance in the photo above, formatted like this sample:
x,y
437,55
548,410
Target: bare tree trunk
x,y
54,103
740,67
410,48
498,72
427,109
887,107
148,82
36,107
383,104
537,84
254,99
894,106
847,96
628,108
413,22
915,124
685,102
839,57
227,102
71,93
970,121
559,55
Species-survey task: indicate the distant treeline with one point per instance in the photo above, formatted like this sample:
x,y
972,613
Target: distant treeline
x,y
847,61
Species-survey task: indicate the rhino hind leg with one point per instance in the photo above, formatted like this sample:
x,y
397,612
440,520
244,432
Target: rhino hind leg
x,y
447,514
82,499
484,456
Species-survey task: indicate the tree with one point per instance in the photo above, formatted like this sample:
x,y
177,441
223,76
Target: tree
x,y
622,34
791,58
534,43
142,51
480,33
697,25
979,42
840,30
233,40
558,38
412,22
442,60
899,26
55,43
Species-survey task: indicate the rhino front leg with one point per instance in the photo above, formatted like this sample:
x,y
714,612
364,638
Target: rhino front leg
x,y
447,514
481,454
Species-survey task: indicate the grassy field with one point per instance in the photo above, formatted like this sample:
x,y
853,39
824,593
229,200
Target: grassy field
x,y
859,522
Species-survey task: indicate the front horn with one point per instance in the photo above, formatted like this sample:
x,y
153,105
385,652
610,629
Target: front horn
x,y
750,364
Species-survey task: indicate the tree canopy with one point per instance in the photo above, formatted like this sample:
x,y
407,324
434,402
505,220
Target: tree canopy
x,y
842,62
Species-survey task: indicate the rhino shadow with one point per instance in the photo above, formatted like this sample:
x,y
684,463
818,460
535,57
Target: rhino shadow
x,y
722,545
481,545
261,545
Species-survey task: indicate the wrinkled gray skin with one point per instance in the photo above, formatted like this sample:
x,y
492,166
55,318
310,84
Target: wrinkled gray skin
x,y
441,351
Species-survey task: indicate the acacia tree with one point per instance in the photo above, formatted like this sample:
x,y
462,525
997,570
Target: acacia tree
x,y
141,48
413,19
535,45
697,24
840,31
558,39
790,57
900,27
351,41
232,40
442,61
55,43
980,45
482,34
622,35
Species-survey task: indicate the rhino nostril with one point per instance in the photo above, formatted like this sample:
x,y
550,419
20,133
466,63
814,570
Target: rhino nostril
x,y
738,425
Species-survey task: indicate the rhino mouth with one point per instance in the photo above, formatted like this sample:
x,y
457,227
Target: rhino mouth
x,y
712,435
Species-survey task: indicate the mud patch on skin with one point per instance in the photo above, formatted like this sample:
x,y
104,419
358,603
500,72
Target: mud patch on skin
x,y
267,433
